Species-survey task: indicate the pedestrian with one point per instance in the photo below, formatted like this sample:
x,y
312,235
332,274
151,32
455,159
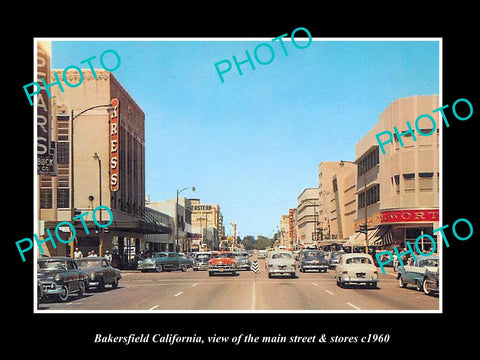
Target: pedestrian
x,y
395,262
77,254
108,256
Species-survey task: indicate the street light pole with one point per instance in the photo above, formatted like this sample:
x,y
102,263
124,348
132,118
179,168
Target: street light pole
x,y
176,214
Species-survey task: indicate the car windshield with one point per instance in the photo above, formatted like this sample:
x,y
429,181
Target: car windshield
x,y
309,255
157,255
225,255
86,263
281,256
428,262
358,260
241,255
52,265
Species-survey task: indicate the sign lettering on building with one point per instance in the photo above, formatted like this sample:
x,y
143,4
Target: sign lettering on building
x,y
114,116
46,159
201,207
409,216
290,222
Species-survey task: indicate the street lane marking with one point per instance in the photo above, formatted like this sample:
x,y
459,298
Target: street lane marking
x,y
194,284
314,284
353,306
253,296
154,307
181,292
329,292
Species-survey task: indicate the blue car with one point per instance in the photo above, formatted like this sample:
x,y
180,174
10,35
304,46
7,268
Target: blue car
x,y
414,274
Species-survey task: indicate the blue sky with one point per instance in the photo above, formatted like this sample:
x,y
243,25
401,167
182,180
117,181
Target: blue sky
x,y
253,143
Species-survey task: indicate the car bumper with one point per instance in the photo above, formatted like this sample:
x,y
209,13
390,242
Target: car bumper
x,y
222,269
146,266
314,267
359,281
200,267
277,271
51,289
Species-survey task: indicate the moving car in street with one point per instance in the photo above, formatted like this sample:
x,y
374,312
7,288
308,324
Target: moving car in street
x,y
165,261
333,259
100,272
60,277
222,262
313,260
243,260
281,262
415,273
356,269
200,260
262,254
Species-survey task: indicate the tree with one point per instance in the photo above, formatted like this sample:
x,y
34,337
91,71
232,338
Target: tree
x,y
263,242
249,242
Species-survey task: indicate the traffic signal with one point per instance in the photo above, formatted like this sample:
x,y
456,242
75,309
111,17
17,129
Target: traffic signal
x,y
363,228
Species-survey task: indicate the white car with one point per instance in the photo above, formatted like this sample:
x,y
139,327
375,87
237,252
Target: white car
x,y
356,269
281,262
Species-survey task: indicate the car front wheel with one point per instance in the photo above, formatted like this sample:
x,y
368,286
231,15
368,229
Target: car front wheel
x,y
115,283
63,296
401,282
184,268
158,268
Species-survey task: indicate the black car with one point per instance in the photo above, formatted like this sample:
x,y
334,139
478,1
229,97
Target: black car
x,y
99,271
313,260
59,277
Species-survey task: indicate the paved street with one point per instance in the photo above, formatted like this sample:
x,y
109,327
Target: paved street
x,y
195,290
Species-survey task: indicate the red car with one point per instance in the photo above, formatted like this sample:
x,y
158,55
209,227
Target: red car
x,y
222,262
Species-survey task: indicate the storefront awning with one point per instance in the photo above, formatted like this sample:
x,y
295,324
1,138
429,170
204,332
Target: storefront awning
x,y
376,237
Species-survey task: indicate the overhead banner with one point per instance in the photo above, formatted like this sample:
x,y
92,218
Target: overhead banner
x,y
46,159
114,144
291,213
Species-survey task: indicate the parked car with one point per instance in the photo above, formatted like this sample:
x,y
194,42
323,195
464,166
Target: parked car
x,y
356,269
165,261
313,260
200,260
430,282
100,272
262,254
415,273
222,262
60,277
281,262
243,260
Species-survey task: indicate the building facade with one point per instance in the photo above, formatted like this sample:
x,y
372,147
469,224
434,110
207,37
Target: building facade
x,y
307,217
399,190
336,212
100,153
207,223
179,239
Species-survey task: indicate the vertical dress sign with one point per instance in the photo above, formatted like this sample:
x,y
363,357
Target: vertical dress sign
x,y
114,145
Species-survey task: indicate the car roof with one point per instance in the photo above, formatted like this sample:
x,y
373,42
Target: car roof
x,y
349,255
55,258
423,257
92,258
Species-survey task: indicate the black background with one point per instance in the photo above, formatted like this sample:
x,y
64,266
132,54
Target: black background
x,y
411,334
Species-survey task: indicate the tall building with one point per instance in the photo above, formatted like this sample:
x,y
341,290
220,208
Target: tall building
x,y
336,211
399,190
101,161
307,216
207,220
